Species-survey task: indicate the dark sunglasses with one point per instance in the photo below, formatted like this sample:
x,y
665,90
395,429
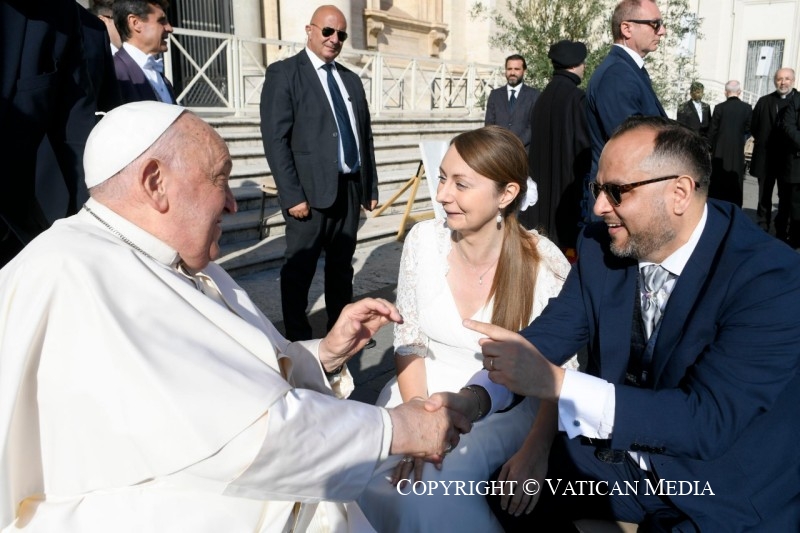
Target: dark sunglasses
x,y
656,24
614,191
327,32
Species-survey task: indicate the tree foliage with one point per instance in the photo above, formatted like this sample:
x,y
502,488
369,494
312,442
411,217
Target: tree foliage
x,y
531,26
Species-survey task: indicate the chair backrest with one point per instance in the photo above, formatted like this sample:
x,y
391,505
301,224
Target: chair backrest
x,y
432,153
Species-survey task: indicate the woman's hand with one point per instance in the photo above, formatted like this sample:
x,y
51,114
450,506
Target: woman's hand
x,y
407,465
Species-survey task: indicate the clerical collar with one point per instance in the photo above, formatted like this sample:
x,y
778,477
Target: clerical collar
x,y
129,233
677,260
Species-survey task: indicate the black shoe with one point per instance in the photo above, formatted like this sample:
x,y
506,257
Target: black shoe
x,y
370,344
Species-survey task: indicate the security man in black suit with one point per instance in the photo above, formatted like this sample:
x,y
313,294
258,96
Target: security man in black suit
x,y
317,136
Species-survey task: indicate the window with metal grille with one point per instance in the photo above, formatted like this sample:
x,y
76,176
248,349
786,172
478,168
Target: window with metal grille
x,y
764,58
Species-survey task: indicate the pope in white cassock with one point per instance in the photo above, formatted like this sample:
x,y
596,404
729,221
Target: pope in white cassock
x,y
142,390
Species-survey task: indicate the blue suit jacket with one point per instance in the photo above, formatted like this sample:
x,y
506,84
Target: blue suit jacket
x,y
725,404
617,90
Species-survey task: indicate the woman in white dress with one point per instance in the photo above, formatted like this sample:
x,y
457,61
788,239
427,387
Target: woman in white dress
x,y
482,264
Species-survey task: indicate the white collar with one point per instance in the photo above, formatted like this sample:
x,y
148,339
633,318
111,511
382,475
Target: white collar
x,y
137,55
316,61
636,57
517,89
677,260
136,237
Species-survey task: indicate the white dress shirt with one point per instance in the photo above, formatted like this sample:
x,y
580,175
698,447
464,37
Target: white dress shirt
x,y
153,70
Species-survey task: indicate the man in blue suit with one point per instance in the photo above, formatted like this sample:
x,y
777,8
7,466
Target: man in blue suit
x,y
620,87
687,417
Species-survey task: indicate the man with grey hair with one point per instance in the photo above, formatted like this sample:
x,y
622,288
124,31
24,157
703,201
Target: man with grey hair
x,y
730,128
770,150
142,390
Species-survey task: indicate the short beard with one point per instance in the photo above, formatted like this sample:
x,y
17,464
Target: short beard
x,y
656,236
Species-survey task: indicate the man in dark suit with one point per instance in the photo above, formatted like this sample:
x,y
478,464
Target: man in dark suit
x,y
691,317
789,181
57,196
621,87
730,128
771,149
317,136
44,94
144,29
696,114
510,106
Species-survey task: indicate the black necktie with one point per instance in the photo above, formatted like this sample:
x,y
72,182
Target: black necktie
x,y
512,100
349,146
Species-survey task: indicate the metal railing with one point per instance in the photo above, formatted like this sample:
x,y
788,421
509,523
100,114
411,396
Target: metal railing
x,y
226,74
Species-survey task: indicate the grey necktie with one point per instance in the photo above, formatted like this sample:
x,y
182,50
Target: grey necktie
x,y
653,278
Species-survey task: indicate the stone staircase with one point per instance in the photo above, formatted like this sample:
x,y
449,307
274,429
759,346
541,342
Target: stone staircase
x,y
396,155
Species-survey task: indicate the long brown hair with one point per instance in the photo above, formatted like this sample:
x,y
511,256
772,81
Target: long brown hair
x,y
499,155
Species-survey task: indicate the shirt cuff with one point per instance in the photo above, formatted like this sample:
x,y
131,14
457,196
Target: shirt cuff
x,y
586,406
499,396
388,431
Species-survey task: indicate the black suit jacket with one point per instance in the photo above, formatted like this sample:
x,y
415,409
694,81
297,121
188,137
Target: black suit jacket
x,y
132,82
517,120
43,92
300,135
687,115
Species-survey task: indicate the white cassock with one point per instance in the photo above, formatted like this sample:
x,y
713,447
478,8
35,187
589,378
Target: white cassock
x,y
132,401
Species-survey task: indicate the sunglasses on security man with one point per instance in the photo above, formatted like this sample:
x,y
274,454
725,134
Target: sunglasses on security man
x,y
328,31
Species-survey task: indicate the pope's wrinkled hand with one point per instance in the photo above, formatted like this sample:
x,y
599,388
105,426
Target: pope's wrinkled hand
x,y
517,364
420,432
356,325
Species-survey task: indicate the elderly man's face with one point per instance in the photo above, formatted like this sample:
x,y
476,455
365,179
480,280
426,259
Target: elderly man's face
x,y
641,226
326,48
199,194
784,81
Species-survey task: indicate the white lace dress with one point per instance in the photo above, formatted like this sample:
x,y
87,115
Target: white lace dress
x,y
432,326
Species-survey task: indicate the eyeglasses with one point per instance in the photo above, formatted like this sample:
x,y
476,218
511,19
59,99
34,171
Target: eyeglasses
x,y
328,31
614,191
656,24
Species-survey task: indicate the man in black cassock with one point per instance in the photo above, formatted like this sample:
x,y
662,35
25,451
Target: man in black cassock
x,y
560,155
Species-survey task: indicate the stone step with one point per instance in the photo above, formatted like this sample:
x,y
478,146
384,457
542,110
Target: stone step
x,y
252,241
252,255
244,226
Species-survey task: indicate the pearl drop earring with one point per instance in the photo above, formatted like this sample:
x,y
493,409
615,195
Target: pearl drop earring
x,y
499,220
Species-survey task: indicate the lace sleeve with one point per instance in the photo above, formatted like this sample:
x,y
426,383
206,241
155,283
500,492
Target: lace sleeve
x,y
408,339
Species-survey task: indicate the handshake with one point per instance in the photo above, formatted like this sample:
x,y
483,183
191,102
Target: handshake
x,y
429,429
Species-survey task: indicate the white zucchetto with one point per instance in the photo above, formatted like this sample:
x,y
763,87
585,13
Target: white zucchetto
x,y
124,134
